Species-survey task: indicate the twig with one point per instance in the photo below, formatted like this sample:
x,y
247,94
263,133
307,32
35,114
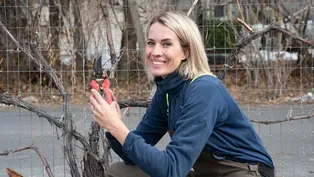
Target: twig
x,y
192,7
1,59
302,10
37,58
239,7
145,103
121,54
134,103
115,15
268,122
245,41
8,100
293,35
126,111
242,22
41,155
224,3
113,55
35,55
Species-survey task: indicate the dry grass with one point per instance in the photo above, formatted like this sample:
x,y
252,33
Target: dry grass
x,y
138,87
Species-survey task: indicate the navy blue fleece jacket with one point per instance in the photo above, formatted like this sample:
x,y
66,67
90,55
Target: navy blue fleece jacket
x,y
202,115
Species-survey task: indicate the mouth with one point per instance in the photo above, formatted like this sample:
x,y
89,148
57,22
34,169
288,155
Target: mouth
x,y
158,63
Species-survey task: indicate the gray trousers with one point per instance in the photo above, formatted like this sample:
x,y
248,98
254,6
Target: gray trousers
x,y
205,166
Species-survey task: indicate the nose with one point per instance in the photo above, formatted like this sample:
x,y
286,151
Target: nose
x,y
156,51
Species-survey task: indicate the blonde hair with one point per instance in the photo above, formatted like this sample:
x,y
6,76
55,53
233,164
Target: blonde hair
x,y
190,40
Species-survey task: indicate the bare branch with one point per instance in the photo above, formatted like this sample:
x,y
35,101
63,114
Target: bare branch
x,y
308,7
145,103
37,58
192,7
135,16
134,103
113,55
8,100
294,36
268,122
35,55
115,15
239,7
242,22
32,147
245,41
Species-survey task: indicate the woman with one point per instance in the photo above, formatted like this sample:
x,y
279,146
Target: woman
x,y
209,132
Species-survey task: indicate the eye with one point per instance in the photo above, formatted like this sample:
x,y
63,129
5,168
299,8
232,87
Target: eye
x,y
166,44
150,43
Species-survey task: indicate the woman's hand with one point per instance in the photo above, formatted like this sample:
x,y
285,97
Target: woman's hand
x,y
116,105
104,114
108,116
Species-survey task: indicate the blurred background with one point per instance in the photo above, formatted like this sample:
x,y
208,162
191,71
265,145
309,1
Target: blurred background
x,y
270,75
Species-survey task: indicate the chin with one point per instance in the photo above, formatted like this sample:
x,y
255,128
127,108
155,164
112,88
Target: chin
x,y
159,74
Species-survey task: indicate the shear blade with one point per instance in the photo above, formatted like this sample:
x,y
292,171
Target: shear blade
x,y
97,67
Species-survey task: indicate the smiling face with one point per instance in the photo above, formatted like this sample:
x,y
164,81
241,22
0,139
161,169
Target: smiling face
x,y
163,50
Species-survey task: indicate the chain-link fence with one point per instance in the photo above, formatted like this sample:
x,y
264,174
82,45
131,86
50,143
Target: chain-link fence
x,y
263,50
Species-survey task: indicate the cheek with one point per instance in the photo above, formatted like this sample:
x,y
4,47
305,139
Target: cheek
x,y
177,56
174,54
148,52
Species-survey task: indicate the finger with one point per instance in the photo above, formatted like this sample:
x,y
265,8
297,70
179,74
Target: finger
x,y
114,105
97,119
117,107
97,107
93,101
97,116
112,95
97,96
92,107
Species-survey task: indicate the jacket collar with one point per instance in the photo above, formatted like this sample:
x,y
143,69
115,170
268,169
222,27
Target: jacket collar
x,y
170,84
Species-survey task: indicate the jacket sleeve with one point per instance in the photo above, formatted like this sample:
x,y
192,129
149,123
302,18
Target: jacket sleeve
x,y
151,128
193,128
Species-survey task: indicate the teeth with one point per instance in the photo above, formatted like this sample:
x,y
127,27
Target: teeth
x,y
157,62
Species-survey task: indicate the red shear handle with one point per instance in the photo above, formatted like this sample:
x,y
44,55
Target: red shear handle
x,y
108,95
108,92
94,85
106,89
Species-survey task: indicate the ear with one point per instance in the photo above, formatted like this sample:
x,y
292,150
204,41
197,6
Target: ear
x,y
186,53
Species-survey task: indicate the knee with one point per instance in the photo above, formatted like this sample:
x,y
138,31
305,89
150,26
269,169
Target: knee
x,y
115,169
120,169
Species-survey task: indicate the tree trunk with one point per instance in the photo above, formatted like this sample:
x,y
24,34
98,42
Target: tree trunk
x,y
130,59
133,9
79,40
54,31
91,166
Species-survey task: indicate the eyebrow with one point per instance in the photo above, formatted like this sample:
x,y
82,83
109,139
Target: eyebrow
x,y
166,39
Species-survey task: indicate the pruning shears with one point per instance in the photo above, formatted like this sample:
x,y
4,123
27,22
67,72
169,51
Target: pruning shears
x,y
101,81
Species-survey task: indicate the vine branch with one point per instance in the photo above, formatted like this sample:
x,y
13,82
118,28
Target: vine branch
x,y
41,155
